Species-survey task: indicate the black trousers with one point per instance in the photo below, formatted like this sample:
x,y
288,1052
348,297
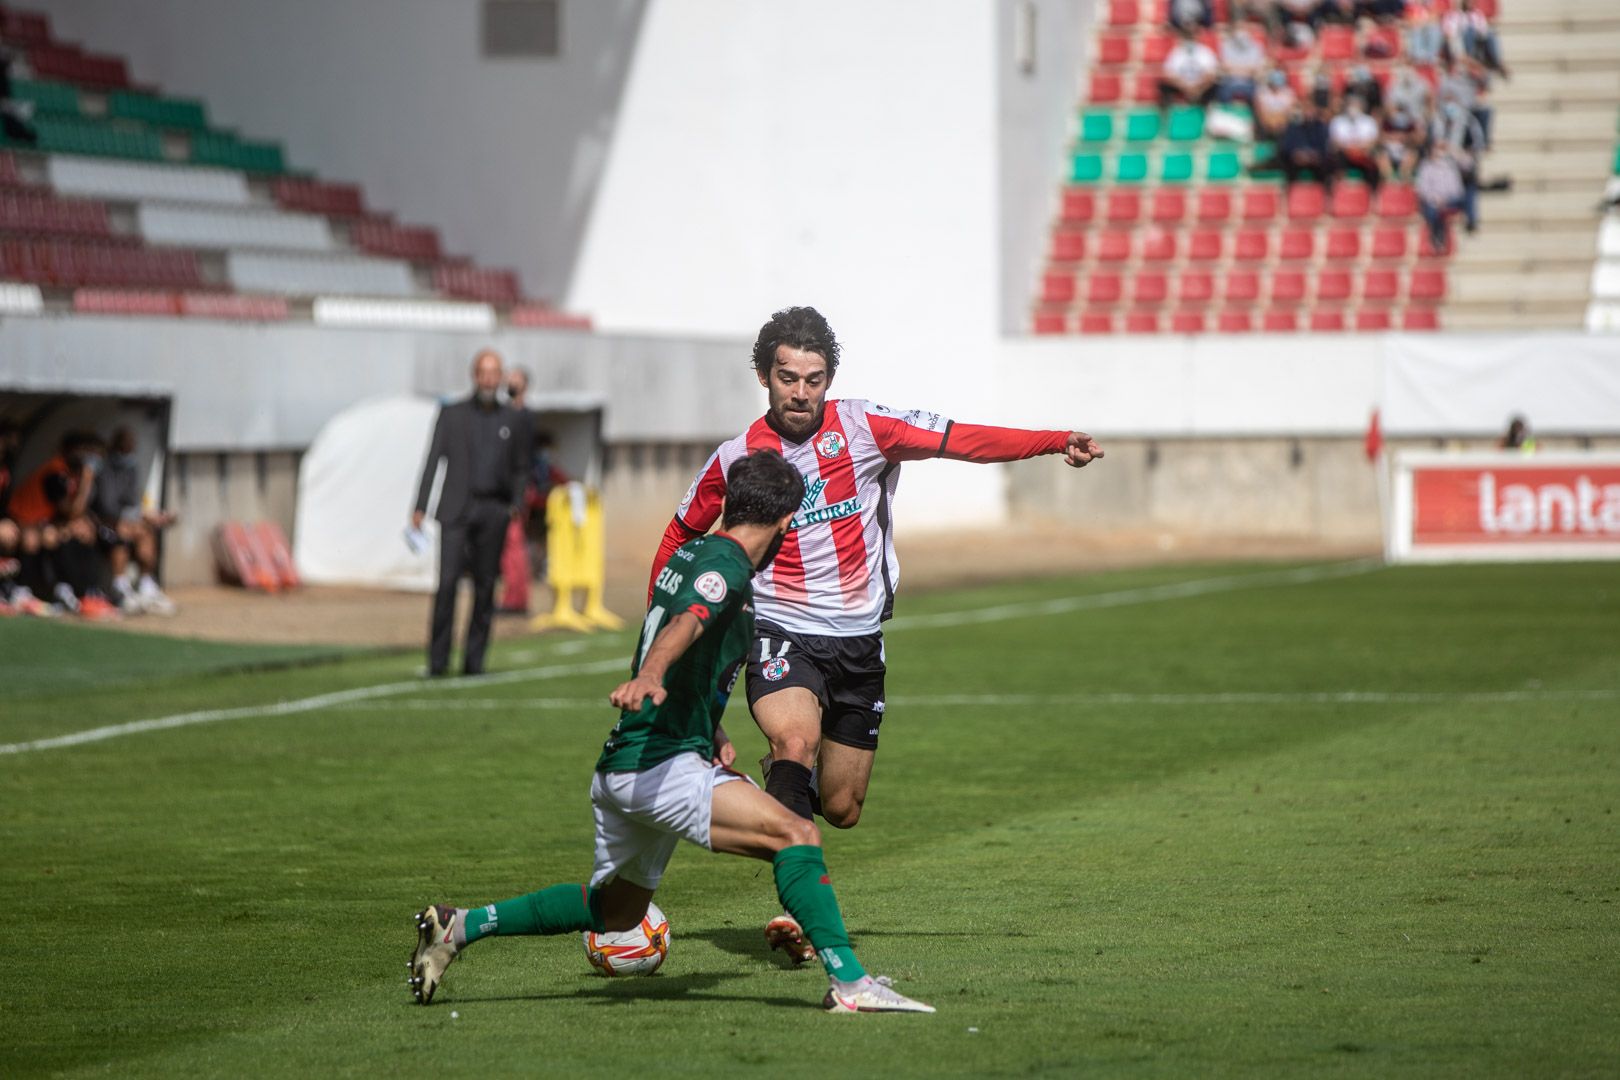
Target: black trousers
x,y
472,545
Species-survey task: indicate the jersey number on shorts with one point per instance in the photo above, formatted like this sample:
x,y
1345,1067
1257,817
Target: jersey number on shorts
x,y
765,649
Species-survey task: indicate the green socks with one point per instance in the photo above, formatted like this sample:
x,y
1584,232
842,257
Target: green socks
x,y
556,910
806,892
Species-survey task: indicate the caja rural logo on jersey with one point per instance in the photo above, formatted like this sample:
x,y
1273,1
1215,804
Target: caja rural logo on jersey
x,y
774,669
830,445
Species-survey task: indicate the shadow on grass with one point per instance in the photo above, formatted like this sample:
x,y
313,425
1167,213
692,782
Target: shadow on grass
x,y
697,985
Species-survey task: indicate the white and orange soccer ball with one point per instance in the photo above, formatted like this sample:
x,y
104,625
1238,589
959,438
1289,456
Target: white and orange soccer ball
x,y
631,952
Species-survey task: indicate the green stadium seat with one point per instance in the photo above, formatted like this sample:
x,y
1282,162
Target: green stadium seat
x,y
47,97
1141,126
159,112
1096,126
1263,160
1088,168
1176,168
63,135
1223,165
1131,168
1617,161
1186,124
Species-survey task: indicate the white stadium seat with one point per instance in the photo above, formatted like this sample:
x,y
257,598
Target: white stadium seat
x,y
403,314
313,275
229,227
134,181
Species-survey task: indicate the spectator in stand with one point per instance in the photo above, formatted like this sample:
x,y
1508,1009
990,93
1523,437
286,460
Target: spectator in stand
x,y
1468,84
1362,85
1354,136
1243,58
1190,72
1408,91
1273,102
1425,41
516,571
118,501
53,503
1191,13
13,113
1322,96
1335,13
1440,192
1518,436
1381,10
1468,33
1304,146
1400,146
1458,129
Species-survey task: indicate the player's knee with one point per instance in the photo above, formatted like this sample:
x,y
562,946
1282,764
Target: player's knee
x,y
799,832
841,811
795,748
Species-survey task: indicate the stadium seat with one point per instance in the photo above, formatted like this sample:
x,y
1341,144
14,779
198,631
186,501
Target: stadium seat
x,y
1251,245
297,273
1051,322
1372,319
1149,288
1350,200
1096,126
1168,206
1295,244
1187,322
1286,286
1223,165
1141,322
1155,47
1259,204
1427,284
1389,242
1113,49
1396,201
1186,124
1426,250
1145,88
1214,205
1421,318
233,306
1280,322
1176,168
1104,288
476,283
124,302
1204,245
1337,43
1333,285
1241,287
1382,43
1105,88
1380,284
1305,202
1068,245
1057,288
1078,206
1327,321
1122,13
1195,287
1131,168
1113,245
1234,322
1122,207
1141,125
1158,245
1343,243
1097,322
1088,168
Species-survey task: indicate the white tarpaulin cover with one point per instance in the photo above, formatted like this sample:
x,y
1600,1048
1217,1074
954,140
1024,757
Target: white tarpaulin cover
x,y
1450,384
356,486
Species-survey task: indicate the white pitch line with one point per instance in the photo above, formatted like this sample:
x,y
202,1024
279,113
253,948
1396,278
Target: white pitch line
x,y
968,617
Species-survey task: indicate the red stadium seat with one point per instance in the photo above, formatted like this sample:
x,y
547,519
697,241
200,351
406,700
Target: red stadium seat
x,y
1195,287
1382,43
1380,285
1157,12
1079,206
1327,321
1142,322
1420,319
1113,246
1426,250
1204,245
1123,12
1343,243
124,302
1259,204
1251,245
1155,47
1427,284
1396,201
1187,322
1168,205
1158,245
1105,89
1051,322
1214,205
1241,287
1333,285
1149,288
1113,49
1287,286
1338,43
1057,288
1097,322
1122,207
1372,319
1350,200
1145,88
1104,288
1305,202
233,306
476,283
1068,245
317,196
1389,242
1280,322
1296,244
1234,322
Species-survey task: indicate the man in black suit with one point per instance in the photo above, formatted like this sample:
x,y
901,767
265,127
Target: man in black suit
x,y
485,449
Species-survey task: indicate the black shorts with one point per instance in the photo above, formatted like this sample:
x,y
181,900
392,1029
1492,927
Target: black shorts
x,y
845,674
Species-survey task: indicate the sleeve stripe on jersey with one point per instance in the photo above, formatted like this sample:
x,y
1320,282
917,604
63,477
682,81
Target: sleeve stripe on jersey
x,y
945,438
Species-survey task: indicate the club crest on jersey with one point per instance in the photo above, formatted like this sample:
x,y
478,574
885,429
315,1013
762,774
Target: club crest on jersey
x,y
775,669
711,586
830,445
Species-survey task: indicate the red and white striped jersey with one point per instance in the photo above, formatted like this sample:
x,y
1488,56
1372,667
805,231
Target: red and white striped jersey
x,y
836,572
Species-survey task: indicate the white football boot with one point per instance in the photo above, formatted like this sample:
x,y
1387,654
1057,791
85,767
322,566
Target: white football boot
x,y
871,994
435,948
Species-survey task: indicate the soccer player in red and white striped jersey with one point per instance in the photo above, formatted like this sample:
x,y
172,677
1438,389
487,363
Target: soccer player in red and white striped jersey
x,y
815,673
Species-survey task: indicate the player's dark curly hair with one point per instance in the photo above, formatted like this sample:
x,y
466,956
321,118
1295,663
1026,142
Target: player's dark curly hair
x,y
798,328
761,489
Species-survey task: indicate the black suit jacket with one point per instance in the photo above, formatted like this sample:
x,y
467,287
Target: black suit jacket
x,y
452,433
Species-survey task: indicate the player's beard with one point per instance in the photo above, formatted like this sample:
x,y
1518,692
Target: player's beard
x,y
784,421
770,552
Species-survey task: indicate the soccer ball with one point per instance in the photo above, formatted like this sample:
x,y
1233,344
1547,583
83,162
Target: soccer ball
x,y
630,952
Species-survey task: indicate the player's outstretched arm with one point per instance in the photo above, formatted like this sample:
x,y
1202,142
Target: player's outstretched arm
x,y
669,646
1081,450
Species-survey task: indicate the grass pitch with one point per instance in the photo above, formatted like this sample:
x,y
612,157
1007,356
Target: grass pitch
x,y
1191,821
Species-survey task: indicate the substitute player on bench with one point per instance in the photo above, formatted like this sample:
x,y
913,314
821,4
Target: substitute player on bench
x,y
815,672
664,773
